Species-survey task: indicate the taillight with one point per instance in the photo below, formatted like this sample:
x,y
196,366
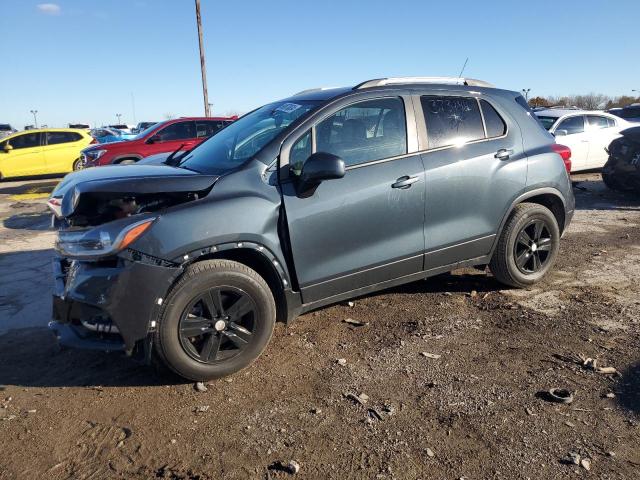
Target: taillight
x,y
93,141
565,153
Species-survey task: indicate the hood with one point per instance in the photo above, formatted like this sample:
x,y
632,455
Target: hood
x,y
103,193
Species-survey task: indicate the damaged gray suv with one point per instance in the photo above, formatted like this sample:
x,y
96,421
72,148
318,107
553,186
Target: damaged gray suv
x,y
304,202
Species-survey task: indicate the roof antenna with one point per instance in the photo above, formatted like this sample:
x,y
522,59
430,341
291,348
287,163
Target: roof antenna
x,y
463,67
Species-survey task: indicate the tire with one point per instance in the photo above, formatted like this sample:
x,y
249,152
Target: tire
x,y
77,165
513,262
200,333
611,182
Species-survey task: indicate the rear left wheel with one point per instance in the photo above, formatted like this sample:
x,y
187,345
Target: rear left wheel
x,y
217,320
528,246
77,165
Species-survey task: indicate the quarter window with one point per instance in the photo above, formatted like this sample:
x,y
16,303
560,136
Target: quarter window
x,y
596,122
178,131
54,138
572,125
451,120
365,131
28,140
496,127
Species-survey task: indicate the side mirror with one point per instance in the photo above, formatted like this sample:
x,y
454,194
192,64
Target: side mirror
x,y
561,133
7,148
321,166
154,139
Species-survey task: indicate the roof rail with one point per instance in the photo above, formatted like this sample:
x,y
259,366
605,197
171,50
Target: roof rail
x,y
379,82
318,89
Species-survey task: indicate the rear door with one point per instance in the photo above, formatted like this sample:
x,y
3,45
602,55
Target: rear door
x,y
367,227
26,157
574,135
602,131
61,150
172,136
475,167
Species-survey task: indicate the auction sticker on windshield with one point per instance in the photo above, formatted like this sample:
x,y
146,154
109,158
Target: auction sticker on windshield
x,y
288,107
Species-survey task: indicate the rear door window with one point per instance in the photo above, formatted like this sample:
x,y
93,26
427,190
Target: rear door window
x,y
496,126
451,120
572,125
55,138
206,128
596,122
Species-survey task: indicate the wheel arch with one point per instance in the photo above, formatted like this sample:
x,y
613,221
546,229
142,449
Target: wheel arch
x,y
128,156
547,197
258,258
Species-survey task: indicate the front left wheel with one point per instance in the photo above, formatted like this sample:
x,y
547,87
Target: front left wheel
x,y
217,320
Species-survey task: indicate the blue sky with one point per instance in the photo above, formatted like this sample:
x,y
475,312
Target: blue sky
x,y
80,61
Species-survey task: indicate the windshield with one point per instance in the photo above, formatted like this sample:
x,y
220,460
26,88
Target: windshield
x,y
4,126
241,140
146,131
547,122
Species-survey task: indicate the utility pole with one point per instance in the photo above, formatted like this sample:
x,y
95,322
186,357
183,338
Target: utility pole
x,y
203,67
35,118
525,92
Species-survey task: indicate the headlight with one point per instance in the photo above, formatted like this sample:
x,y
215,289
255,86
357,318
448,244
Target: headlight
x,y
101,241
94,154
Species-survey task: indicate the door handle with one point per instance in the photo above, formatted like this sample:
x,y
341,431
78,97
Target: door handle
x,y
503,154
405,182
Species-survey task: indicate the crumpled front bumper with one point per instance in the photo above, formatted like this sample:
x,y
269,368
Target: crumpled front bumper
x,y
108,305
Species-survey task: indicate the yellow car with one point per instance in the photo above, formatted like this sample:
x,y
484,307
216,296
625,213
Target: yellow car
x,y
42,152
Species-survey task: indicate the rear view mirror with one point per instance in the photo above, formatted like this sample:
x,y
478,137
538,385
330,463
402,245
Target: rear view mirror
x,y
561,133
7,148
154,139
321,166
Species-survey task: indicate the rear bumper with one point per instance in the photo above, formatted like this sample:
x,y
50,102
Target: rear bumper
x,y
107,305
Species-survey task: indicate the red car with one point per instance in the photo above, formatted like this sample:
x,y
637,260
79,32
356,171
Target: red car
x,y
162,137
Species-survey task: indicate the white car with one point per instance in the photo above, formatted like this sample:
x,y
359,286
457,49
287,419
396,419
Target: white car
x,y
587,133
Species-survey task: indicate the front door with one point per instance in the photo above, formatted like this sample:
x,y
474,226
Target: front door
x,y
572,132
172,136
25,158
367,227
475,167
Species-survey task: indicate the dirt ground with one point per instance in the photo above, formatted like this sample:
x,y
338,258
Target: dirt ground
x,y
475,409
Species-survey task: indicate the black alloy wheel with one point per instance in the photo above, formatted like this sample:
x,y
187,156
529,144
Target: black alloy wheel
x,y
218,324
533,246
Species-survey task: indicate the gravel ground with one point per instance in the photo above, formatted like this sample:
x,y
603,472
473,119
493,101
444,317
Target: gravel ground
x,y
446,378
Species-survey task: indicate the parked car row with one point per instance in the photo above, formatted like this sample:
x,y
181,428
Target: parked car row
x,y
162,137
587,133
59,150
304,202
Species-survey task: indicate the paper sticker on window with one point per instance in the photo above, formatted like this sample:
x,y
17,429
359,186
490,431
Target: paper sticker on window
x,y
288,107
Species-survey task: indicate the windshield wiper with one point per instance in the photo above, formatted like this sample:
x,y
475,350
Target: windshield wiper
x,y
169,160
